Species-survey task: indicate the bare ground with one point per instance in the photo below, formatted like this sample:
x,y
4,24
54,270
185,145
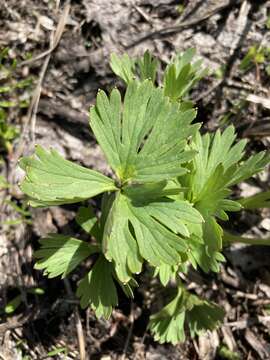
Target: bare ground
x,y
69,76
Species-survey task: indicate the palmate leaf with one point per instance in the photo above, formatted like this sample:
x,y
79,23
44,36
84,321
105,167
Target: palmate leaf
x,y
216,167
98,289
147,67
143,68
214,157
204,316
205,250
181,75
119,244
136,139
167,325
123,66
149,230
168,273
52,180
253,165
60,254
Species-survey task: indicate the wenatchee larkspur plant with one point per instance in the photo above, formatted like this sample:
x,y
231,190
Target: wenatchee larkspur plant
x,y
170,188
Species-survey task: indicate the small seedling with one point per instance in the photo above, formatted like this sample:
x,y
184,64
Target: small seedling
x,y
162,207
255,56
17,300
10,97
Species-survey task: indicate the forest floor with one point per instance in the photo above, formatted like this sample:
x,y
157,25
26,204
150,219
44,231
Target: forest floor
x,y
63,50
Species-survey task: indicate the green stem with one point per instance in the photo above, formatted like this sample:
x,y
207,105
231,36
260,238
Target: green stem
x,y
257,201
229,239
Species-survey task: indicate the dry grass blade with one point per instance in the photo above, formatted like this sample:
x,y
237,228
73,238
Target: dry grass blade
x,y
131,318
57,36
262,349
78,323
182,26
32,110
259,100
80,335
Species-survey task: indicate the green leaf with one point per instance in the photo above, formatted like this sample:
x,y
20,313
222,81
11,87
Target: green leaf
x,y
19,209
3,183
52,180
58,351
147,67
204,316
136,139
36,291
126,68
217,166
119,243
13,304
181,75
7,131
138,229
153,190
268,22
204,249
248,59
257,201
166,273
225,353
7,104
250,167
88,221
167,325
123,67
128,287
60,254
215,155
98,290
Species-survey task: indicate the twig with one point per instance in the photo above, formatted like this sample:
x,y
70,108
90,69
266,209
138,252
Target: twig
x,y
241,24
257,344
78,323
58,34
32,110
210,90
229,338
185,25
243,324
259,100
142,13
131,318
32,113
80,334
244,86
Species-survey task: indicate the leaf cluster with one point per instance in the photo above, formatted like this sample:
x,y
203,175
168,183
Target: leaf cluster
x,y
162,207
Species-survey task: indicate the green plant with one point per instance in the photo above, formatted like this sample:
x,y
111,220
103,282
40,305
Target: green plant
x,y
18,299
171,186
10,98
7,132
228,354
256,55
23,215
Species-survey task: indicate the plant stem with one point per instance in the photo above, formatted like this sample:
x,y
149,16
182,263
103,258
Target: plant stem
x,y
231,239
